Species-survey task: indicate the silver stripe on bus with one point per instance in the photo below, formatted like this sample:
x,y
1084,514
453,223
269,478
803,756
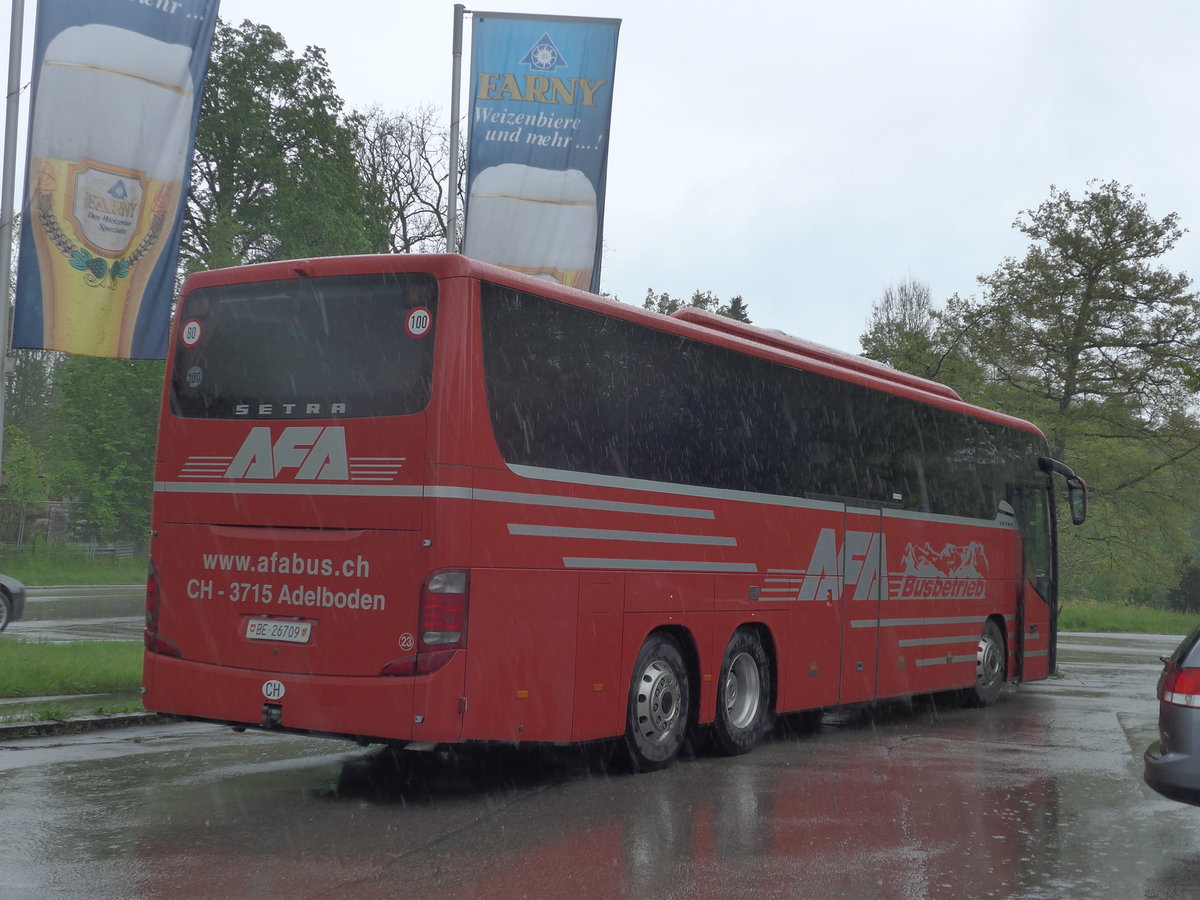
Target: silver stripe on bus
x,y
1037,653
301,490
646,509
893,623
942,660
440,491
926,642
605,534
666,487
1003,519
671,565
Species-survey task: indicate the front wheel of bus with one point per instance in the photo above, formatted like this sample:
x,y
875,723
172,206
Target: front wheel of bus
x,y
743,695
659,701
989,668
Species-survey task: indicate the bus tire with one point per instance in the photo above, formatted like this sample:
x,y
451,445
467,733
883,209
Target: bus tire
x,y
743,695
659,705
989,668
5,610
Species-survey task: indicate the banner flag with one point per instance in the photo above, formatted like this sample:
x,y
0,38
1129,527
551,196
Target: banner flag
x,y
112,126
537,158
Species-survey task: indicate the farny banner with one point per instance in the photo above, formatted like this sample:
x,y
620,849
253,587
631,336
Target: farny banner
x,y
541,89
116,96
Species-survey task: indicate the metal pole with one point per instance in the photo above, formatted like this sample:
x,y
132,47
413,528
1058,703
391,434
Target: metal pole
x,y
8,176
455,90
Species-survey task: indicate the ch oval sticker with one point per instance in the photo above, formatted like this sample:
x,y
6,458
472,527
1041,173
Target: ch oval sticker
x,y
273,690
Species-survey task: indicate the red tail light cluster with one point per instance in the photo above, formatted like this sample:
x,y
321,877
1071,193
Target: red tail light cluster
x,y
1180,687
441,624
155,642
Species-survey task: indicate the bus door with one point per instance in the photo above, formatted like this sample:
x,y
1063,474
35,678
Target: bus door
x,y
862,563
1037,599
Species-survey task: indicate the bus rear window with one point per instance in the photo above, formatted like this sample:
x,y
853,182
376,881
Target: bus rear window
x,y
337,347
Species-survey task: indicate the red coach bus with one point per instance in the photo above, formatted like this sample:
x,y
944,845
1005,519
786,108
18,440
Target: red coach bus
x,y
426,500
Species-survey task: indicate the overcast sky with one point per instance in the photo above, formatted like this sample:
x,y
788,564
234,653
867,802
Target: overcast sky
x,y
806,155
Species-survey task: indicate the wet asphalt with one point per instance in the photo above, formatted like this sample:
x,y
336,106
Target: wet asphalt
x,y
1039,796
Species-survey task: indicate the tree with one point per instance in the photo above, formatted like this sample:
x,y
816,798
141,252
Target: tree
x,y
107,447
666,304
906,332
1089,336
275,174
1088,316
405,157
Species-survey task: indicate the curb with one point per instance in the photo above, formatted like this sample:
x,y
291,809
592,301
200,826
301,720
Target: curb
x,y
81,724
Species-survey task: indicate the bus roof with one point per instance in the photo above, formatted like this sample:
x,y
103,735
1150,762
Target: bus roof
x,y
812,350
689,321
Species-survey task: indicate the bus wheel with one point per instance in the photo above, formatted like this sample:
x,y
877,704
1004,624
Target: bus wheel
x,y
743,695
657,722
5,610
989,669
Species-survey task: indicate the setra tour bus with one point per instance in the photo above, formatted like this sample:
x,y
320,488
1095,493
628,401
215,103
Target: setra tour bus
x,y
425,500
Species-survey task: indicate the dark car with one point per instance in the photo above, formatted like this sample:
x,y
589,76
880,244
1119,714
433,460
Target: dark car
x,y
1173,761
12,600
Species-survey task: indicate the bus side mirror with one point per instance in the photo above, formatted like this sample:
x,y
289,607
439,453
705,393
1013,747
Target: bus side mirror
x,y
1077,499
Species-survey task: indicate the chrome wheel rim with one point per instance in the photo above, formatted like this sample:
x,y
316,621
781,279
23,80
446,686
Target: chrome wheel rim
x,y
657,702
742,691
989,666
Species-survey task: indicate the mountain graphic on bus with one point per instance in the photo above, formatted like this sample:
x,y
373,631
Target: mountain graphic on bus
x,y
952,561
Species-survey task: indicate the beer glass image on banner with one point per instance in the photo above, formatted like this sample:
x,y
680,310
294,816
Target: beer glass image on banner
x,y
108,150
538,221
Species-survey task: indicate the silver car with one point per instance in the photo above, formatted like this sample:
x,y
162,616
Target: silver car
x,y
12,600
1172,763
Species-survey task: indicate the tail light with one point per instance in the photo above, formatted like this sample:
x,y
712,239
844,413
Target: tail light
x,y
1180,687
153,641
441,624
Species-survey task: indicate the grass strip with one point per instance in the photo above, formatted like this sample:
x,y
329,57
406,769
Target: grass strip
x,y
70,565
1088,615
36,669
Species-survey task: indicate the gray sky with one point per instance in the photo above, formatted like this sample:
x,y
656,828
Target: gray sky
x,y
807,155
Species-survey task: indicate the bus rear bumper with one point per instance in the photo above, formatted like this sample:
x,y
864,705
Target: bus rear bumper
x,y
423,708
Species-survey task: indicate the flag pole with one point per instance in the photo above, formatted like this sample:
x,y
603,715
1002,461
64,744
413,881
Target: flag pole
x,y
455,90
8,176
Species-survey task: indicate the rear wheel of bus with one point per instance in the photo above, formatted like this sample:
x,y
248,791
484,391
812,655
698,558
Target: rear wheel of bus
x,y
659,705
743,695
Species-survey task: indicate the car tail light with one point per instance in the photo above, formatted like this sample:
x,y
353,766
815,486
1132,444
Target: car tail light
x,y
1180,687
441,624
155,642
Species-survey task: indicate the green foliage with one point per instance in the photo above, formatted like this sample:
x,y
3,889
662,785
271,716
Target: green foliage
x,y
664,303
110,407
906,332
275,174
23,475
1090,337
1112,618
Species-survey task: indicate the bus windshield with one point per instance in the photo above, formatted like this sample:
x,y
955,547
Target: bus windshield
x,y
334,347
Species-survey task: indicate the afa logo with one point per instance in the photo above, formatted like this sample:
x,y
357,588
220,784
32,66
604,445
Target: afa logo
x,y
316,454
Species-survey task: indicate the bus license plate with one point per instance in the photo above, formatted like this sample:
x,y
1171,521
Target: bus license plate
x,y
275,630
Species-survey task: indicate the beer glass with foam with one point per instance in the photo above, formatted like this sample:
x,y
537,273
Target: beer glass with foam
x,y
108,149
539,221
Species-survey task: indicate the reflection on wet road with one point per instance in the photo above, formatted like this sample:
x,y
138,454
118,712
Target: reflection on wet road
x,y
1038,797
84,613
